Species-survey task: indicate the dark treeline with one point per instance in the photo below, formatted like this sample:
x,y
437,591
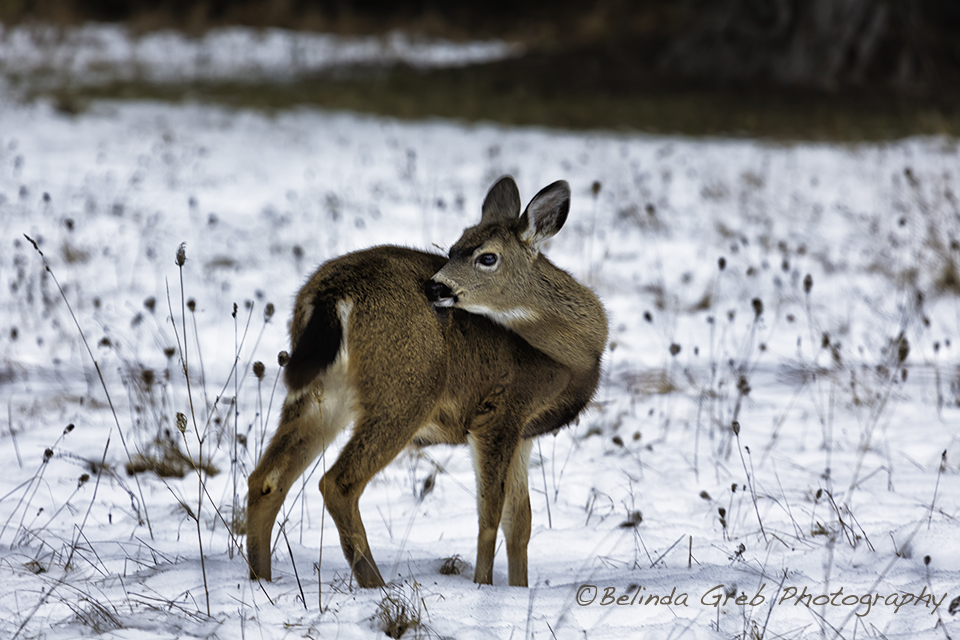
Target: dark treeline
x,y
900,46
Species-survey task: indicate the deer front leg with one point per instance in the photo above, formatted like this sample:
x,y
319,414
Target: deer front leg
x,y
516,515
493,450
304,432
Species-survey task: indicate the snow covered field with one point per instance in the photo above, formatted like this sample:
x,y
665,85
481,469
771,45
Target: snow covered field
x,y
807,293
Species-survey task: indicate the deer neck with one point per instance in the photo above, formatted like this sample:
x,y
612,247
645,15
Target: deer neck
x,y
560,317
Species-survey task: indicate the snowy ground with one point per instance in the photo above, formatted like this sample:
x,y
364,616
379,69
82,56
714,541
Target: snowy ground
x,y
845,474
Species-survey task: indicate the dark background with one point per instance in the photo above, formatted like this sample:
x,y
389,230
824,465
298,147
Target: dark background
x,y
849,68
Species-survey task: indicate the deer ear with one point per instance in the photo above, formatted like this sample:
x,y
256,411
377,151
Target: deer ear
x,y
502,202
545,214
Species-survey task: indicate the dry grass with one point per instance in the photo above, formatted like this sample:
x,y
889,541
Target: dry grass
x,y
165,459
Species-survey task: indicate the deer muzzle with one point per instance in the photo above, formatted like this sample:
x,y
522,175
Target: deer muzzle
x,y
439,294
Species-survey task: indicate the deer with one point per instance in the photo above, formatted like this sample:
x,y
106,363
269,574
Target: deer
x,y
490,346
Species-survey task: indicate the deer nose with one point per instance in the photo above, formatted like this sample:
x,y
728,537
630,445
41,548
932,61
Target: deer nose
x,y
439,293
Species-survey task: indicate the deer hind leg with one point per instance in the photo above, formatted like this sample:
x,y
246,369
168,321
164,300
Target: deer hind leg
x,y
493,452
310,420
381,432
516,514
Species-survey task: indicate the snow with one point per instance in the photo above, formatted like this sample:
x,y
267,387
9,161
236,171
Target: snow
x,y
98,52
836,480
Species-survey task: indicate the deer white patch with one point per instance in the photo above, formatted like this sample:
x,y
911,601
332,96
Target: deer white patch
x,y
509,318
338,402
271,482
432,433
344,309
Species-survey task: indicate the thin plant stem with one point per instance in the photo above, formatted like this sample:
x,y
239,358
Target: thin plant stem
x,y
236,419
753,490
196,465
96,366
185,363
293,562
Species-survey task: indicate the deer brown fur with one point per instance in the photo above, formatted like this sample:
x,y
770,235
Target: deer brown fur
x,y
490,347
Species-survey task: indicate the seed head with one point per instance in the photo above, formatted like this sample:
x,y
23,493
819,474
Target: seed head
x,y
150,303
181,422
757,307
735,426
67,429
268,311
181,254
192,305
674,349
283,358
428,485
258,369
903,350
634,518
595,188
807,283
82,480
743,386
722,263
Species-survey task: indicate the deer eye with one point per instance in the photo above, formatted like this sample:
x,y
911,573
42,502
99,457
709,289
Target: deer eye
x,y
487,259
